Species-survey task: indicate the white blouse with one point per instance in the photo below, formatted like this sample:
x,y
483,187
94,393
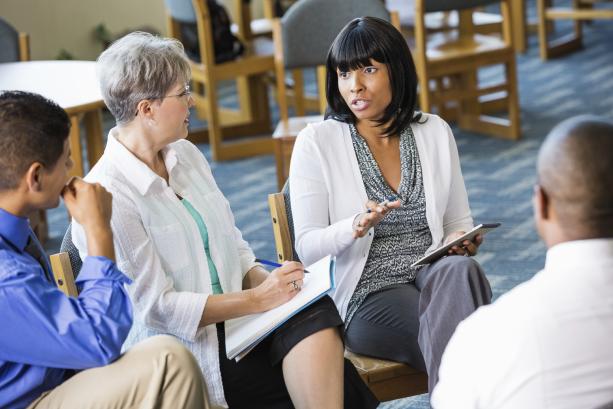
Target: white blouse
x,y
158,245
327,192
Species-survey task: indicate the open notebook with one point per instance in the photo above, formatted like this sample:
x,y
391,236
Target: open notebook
x,y
244,333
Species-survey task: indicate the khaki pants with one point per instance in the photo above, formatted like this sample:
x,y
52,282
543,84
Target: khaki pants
x,y
157,373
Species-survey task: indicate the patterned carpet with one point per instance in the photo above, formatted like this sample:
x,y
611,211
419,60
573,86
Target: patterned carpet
x,y
499,174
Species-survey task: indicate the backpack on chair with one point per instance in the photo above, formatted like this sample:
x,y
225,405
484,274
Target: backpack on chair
x,y
226,45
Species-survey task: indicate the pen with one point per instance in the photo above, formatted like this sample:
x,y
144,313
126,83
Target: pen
x,y
271,263
383,203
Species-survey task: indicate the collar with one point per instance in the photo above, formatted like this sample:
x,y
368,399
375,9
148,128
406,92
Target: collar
x,y
135,171
14,229
579,253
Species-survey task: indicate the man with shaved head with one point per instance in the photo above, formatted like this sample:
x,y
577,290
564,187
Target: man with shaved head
x,y
548,342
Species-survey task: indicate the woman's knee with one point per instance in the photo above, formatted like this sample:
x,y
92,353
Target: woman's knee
x,y
466,267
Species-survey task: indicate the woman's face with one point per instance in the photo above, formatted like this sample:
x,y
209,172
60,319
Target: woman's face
x,y
173,112
366,91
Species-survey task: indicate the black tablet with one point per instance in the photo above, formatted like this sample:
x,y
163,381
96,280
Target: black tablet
x,y
442,251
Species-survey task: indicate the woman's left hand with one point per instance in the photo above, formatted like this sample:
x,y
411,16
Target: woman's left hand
x,y
467,248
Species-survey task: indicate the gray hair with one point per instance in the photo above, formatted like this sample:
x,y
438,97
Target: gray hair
x,y
139,66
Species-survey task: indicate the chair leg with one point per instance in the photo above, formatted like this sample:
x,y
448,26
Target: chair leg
x,y
213,122
244,99
542,29
563,45
513,99
424,94
469,108
298,92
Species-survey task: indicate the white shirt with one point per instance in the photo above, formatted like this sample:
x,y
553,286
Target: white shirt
x,y
327,192
158,245
548,343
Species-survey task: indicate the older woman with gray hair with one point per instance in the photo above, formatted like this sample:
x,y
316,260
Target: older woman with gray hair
x,y
175,236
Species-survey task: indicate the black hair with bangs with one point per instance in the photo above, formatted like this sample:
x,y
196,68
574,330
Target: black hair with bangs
x,y
361,40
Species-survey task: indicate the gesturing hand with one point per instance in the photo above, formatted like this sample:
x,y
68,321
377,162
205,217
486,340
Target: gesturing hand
x,y
375,213
281,285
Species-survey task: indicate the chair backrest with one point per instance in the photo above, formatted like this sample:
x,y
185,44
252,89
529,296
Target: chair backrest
x,y
71,250
282,224
309,26
304,35
181,10
14,46
449,5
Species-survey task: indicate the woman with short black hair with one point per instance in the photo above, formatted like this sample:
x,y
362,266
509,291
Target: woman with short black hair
x,y
377,185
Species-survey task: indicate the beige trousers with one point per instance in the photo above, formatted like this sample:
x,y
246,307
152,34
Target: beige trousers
x,y
158,373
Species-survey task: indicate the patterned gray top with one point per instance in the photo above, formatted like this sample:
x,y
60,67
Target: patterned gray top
x,y
403,235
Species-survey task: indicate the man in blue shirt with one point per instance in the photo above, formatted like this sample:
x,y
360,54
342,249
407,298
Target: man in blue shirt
x,y
49,341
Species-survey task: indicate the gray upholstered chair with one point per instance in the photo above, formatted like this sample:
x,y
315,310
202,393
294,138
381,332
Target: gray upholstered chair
x,y
388,380
14,46
68,247
302,38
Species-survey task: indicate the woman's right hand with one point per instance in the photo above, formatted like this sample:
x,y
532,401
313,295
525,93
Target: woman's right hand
x,y
281,285
372,217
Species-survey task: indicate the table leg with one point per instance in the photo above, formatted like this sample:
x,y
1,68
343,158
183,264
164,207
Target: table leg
x,y
95,140
75,146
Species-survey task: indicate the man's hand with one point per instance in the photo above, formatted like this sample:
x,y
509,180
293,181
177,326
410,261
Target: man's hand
x,y
91,206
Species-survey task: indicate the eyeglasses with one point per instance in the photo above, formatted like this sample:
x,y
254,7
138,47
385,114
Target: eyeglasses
x,y
187,92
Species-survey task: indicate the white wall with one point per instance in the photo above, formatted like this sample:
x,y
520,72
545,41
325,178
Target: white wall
x,y
69,24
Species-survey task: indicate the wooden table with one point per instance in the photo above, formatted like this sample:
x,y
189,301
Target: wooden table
x,y
73,85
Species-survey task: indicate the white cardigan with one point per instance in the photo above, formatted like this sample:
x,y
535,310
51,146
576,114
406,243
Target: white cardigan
x,y
158,245
327,192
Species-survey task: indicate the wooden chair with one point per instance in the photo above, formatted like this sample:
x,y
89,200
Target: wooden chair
x,y
485,23
580,11
66,264
447,65
320,21
388,380
248,71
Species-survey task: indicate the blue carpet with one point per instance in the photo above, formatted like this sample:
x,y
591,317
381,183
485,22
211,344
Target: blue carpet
x,y
499,174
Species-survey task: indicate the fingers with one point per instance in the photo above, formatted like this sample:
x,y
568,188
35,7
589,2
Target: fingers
x,y
470,247
394,205
288,272
467,248
290,266
295,286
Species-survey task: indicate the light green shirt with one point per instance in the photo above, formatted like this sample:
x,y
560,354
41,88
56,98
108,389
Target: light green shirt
x,y
205,240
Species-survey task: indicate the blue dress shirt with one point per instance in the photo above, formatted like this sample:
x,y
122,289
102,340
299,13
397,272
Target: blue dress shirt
x,y
45,335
